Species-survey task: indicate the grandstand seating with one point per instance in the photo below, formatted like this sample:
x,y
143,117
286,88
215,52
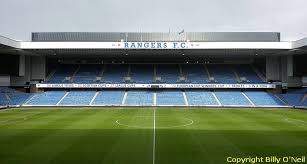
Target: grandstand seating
x,y
78,98
293,99
232,98
298,91
115,73
10,96
87,74
168,73
139,98
222,73
3,99
109,98
260,68
46,98
144,73
304,102
261,98
247,72
198,97
63,71
141,73
195,73
18,98
165,97
170,98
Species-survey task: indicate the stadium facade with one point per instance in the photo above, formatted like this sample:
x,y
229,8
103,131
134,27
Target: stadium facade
x,y
253,69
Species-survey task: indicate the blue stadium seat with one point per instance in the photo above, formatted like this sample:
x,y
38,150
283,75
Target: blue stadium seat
x,y
10,96
170,98
168,73
109,98
139,98
115,73
141,73
247,72
292,99
78,98
63,71
3,99
18,98
144,73
195,73
87,74
298,91
198,97
261,68
232,98
46,98
304,103
222,73
262,98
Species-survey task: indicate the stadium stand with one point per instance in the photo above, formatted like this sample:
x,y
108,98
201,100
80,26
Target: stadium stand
x,y
232,98
139,98
18,98
156,98
141,73
222,73
260,68
46,98
194,73
87,74
13,97
201,98
304,101
3,99
292,99
63,74
261,98
157,69
298,91
168,73
78,98
149,73
115,73
170,98
109,98
245,71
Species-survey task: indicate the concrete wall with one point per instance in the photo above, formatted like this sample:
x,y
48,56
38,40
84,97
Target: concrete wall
x,y
287,77
34,68
4,81
280,68
273,68
38,67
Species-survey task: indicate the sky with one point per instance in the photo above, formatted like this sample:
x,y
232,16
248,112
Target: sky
x,y
18,18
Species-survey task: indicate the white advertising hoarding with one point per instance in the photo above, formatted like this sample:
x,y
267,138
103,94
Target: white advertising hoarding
x,y
156,86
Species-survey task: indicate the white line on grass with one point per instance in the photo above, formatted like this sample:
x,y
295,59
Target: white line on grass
x,y
18,119
295,121
154,138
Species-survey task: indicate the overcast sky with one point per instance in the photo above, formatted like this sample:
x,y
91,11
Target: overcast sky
x,y
21,17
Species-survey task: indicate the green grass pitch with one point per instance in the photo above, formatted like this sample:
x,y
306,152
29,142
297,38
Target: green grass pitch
x,y
149,135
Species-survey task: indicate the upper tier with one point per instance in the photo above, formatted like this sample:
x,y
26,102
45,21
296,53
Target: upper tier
x,y
154,73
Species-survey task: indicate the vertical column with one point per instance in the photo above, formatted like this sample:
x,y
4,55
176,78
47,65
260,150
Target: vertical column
x,y
38,67
22,65
290,65
273,68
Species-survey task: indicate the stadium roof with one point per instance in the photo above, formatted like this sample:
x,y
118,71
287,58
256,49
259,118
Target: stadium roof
x,y
155,37
159,41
